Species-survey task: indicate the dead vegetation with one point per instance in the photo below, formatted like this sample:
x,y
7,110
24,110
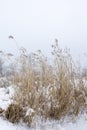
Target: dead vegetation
x,y
53,90
13,113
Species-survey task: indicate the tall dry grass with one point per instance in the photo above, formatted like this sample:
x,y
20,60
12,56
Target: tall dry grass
x,y
52,90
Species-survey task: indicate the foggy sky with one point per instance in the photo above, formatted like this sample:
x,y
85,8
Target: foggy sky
x,y
36,23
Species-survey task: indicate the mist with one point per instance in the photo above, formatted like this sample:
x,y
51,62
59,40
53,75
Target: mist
x,y
36,23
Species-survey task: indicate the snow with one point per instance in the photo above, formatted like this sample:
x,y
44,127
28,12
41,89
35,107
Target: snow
x,y
80,124
5,125
6,94
29,111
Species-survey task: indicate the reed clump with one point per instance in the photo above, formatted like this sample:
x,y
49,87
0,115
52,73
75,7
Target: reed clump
x,y
52,90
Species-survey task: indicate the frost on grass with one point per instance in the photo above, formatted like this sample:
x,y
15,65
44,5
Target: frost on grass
x,y
51,90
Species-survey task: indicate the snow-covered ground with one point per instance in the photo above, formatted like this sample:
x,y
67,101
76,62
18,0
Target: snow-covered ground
x,y
6,98
80,124
5,125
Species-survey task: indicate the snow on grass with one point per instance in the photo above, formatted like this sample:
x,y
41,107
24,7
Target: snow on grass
x,y
29,111
4,98
6,94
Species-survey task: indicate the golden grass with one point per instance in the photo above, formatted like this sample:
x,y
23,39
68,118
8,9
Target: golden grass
x,y
50,89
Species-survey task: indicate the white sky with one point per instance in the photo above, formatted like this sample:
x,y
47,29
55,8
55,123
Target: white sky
x,y
36,23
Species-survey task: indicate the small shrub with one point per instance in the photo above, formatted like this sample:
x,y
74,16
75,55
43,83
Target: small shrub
x,y
13,113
